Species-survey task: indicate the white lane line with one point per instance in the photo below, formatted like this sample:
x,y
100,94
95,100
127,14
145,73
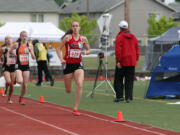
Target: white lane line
x,y
39,121
126,125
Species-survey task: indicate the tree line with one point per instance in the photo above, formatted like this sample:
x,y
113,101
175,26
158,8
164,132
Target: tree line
x,y
60,2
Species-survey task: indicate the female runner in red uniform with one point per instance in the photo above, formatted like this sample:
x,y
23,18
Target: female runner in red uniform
x,y
72,61
22,65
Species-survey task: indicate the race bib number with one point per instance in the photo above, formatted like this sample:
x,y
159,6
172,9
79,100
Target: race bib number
x,y
75,53
12,60
24,57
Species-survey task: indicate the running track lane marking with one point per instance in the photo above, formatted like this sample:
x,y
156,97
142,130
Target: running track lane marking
x,y
126,125
39,121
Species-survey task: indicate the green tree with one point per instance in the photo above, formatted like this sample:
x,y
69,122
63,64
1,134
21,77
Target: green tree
x,y
1,24
157,27
60,2
87,27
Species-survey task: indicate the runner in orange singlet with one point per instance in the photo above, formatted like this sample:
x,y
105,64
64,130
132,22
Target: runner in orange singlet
x,y
72,61
22,67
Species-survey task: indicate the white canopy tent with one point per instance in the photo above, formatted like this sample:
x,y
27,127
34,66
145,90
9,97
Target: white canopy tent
x,y
44,32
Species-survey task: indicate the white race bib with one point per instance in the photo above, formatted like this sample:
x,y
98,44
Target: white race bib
x,y
75,53
12,60
24,57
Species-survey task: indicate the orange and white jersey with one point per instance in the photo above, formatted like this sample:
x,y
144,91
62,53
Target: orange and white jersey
x,y
23,55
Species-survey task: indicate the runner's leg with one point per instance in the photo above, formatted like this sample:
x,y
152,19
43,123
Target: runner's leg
x,y
68,79
8,81
11,86
79,78
25,75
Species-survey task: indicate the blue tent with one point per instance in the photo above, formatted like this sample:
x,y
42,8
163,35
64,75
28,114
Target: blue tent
x,y
165,79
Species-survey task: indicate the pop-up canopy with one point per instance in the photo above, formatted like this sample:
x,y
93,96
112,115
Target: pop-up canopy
x,y
44,32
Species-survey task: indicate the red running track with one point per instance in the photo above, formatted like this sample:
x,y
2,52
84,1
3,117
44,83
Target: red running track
x,y
37,118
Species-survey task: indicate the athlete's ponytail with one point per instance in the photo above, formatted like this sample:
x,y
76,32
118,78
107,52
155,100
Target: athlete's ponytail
x,y
18,40
68,32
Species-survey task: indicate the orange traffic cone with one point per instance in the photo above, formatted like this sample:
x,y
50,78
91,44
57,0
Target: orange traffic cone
x,y
1,91
101,78
42,99
119,117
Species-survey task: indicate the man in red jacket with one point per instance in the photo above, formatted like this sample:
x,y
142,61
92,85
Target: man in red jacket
x,y
127,55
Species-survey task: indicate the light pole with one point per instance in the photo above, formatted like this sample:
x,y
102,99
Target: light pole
x,y
126,11
87,6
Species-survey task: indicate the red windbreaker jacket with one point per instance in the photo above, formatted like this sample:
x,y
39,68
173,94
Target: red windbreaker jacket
x,y
126,49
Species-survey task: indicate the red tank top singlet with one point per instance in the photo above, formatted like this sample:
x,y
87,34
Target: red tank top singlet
x,y
73,50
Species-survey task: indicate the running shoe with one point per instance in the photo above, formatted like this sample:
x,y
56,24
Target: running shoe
x,y
10,101
21,102
38,84
76,113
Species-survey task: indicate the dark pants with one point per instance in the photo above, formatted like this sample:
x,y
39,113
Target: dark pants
x,y
46,78
124,77
42,66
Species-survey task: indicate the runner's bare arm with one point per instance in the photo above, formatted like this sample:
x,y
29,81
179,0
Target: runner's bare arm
x,y
86,45
31,49
59,48
1,51
8,63
13,46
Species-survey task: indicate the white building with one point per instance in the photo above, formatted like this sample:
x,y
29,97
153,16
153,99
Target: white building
x,y
29,11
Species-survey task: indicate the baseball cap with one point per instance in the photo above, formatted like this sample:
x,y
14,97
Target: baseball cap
x,y
123,24
35,41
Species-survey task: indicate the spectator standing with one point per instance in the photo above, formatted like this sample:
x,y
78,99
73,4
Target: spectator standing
x,y
127,55
41,57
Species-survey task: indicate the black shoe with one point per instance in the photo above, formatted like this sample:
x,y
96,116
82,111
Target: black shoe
x,y
128,100
38,84
118,99
52,83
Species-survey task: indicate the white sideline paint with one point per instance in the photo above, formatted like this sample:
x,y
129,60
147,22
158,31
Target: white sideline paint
x,y
126,125
39,121
176,103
